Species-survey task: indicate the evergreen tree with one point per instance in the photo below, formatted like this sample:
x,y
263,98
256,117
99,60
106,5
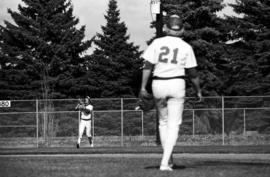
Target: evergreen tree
x,y
252,30
41,51
117,61
204,30
249,55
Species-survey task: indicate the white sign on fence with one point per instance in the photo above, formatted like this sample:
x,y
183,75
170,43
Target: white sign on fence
x,y
5,104
155,6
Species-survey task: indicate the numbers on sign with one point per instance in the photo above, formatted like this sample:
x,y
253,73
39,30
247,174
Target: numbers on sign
x,y
155,2
4,103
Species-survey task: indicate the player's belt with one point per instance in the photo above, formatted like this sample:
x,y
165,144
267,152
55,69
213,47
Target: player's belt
x,y
167,78
86,119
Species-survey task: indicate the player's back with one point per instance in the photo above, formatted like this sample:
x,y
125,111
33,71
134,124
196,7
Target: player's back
x,y
171,56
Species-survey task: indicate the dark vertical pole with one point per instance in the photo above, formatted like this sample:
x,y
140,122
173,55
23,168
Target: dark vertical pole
x,y
159,22
159,33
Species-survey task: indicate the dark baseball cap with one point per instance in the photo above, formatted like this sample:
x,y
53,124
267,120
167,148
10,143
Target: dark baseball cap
x,y
174,22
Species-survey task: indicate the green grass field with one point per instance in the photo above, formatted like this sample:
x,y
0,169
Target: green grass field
x,y
133,165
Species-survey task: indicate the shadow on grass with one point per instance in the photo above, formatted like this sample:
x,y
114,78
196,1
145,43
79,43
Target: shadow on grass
x,y
175,167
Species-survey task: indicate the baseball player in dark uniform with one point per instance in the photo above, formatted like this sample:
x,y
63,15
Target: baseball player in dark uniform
x,y
170,59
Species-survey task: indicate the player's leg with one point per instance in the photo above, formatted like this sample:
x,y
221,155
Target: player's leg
x,y
160,93
175,110
161,105
175,106
88,133
81,130
163,119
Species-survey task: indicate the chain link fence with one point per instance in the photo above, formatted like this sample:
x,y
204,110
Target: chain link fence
x,y
54,123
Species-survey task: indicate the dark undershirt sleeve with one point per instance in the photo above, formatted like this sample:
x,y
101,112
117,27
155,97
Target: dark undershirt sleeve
x,y
192,72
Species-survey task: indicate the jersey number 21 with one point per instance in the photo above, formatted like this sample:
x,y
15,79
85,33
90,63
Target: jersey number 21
x,y
163,56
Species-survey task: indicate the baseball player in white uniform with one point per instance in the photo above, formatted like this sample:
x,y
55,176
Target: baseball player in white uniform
x,y
86,114
170,59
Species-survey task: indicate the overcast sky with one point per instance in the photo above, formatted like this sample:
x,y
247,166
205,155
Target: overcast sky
x,y
135,13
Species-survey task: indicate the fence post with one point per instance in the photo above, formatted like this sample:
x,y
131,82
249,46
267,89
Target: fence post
x,y
122,123
142,125
244,121
193,123
79,117
44,127
37,121
223,128
93,124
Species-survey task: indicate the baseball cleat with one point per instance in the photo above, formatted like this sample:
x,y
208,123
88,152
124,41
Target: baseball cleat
x,y
171,165
165,168
171,161
90,139
78,146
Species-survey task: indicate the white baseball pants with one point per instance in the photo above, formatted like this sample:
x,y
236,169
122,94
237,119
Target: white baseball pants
x,y
84,124
169,95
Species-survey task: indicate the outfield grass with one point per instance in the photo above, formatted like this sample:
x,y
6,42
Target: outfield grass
x,y
115,141
255,149
145,165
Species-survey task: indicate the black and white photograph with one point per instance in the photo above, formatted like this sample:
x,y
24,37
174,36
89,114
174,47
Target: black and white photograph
x,y
135,88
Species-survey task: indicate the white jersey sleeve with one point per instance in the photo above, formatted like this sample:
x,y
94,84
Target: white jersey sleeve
x,y
191,59
150,54
89,107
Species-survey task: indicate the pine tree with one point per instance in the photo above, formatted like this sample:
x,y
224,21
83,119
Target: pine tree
x,y
204,30
252,30
251,55
117,61
41,51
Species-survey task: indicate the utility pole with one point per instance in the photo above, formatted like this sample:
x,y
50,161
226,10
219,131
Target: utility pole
x,y
157,9
159,22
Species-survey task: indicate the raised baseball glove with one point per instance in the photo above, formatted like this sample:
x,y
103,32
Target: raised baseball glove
x,y
146,102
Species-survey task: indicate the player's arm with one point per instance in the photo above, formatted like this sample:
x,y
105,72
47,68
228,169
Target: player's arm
x,y
194,77
147,70
148,66
79,105
191,68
